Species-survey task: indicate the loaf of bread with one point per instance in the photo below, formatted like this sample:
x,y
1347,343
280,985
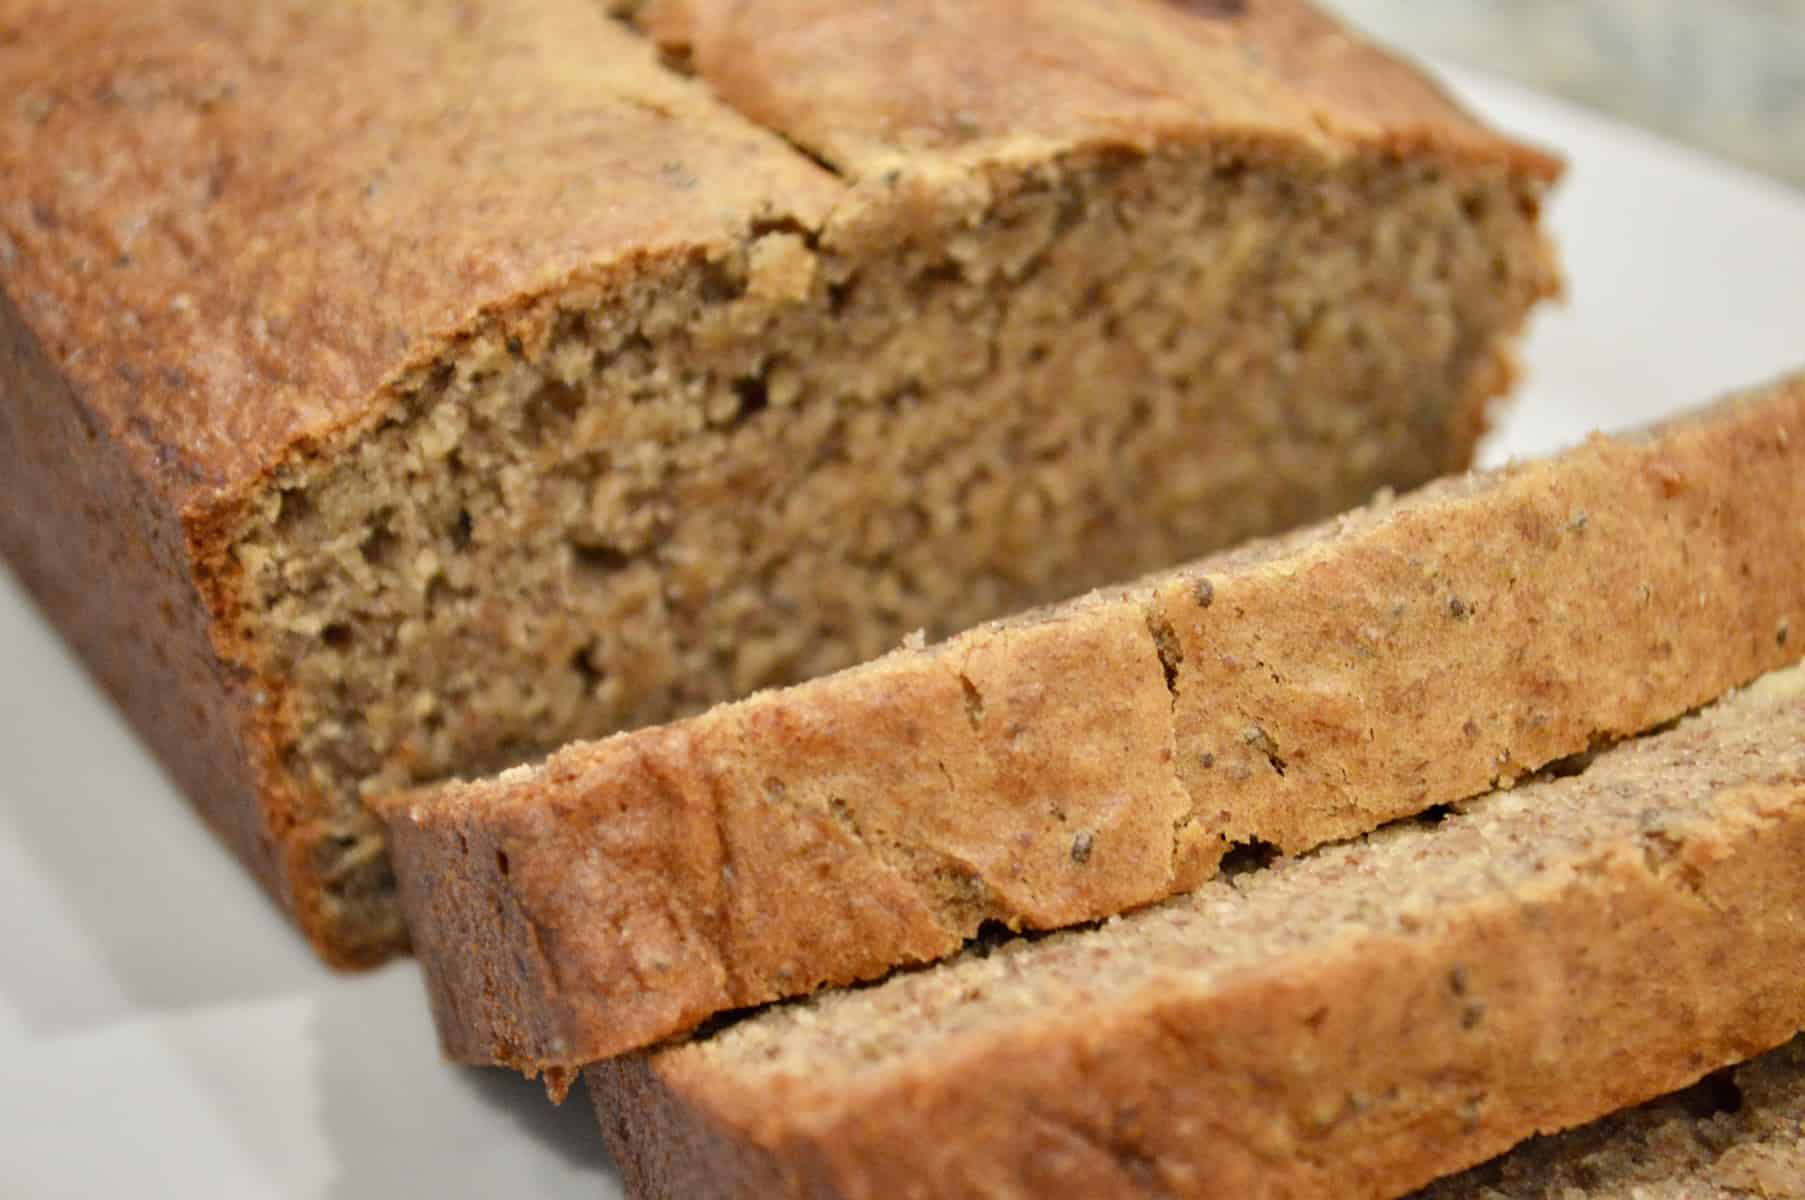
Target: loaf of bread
x,y
391,391
1069,764
1346,1025
1736,1135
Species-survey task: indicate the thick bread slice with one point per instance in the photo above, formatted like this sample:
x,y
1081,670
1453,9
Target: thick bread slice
x,y
1737,1135
1080,761
1346,1025
403,390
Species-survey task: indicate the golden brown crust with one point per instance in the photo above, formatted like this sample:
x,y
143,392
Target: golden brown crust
x,y
1426,1027
1069,764
865,84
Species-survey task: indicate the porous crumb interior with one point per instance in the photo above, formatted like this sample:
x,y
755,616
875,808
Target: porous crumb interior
x,y
1403,878
1738,1133
744,469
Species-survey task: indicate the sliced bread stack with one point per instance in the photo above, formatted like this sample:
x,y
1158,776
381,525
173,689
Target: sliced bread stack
x,y
1570,904
1353,1023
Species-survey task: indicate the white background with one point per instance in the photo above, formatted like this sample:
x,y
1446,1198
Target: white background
x,y
162,1033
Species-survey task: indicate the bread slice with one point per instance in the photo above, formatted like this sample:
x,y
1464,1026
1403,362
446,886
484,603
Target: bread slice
x,y
400,390
1076,762
1350,1024
1736,1135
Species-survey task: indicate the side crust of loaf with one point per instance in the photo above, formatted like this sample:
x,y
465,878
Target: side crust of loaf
x,y
1077,762
114,569
1628,947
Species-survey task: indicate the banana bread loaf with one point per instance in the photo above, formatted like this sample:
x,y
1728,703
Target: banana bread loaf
x,y
1735,1135
394,390
1346,1025
1069,764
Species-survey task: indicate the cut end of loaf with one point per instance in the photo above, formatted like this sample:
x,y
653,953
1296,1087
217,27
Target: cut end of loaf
x,y
762,462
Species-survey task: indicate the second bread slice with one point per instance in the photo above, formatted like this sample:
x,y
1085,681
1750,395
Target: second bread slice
x,y
1343,1026
1087,759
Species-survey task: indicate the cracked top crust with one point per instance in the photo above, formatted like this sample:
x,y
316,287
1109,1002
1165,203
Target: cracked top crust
x,y
230,268
906,85
227,264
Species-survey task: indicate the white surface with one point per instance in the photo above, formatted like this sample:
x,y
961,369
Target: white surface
x,y
163,1034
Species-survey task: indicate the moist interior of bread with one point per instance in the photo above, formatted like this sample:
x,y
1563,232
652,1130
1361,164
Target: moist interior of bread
x,y
1739,1132
1399,879
515,788
749,468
